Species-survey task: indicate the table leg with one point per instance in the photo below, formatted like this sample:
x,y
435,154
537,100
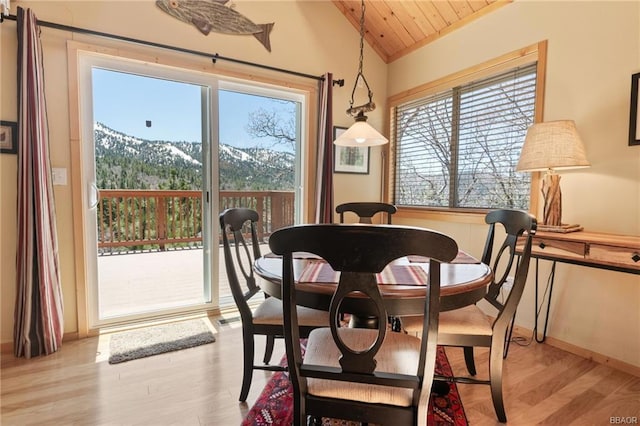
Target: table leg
x,y
357,321
551,279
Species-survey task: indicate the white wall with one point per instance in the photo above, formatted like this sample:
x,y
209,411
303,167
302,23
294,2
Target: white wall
x,y
593,49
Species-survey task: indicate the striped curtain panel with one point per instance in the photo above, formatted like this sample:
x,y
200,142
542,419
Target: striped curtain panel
x,y
38,326
324,154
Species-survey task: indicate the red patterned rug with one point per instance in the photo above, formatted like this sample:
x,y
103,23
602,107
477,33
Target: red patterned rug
x,y
274,406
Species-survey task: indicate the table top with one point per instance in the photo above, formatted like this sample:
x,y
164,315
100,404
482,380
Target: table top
x,y
593,249
462,284
616,240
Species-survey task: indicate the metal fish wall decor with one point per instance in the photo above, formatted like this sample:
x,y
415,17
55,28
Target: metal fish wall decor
x,y
213,15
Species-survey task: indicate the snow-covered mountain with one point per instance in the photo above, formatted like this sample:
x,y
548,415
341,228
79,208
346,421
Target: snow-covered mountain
x,y
127,162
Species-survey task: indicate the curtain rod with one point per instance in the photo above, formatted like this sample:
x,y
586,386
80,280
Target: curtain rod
x,y
214,57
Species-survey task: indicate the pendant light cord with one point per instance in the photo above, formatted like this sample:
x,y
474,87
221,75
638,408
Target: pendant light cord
x,y
369,106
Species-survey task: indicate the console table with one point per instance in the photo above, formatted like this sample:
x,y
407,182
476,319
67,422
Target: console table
x,y
593,249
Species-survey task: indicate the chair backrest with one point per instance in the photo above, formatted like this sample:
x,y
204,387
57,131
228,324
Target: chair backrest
x,y
238,259
515,224
366,211
358,252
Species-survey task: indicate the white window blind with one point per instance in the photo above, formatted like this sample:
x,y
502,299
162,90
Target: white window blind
x,y
459,148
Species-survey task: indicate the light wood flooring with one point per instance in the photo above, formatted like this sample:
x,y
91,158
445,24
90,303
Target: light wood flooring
x,y
200,386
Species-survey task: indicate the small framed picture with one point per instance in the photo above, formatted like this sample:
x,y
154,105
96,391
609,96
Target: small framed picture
x,y
350,159
8,137
634,118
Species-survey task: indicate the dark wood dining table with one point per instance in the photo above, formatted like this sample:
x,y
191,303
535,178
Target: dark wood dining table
x,y
463,282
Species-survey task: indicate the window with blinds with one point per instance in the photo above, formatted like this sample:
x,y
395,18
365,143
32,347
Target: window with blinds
x,y
459,148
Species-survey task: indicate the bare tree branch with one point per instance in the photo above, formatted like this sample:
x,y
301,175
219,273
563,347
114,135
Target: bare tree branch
x,y
273,125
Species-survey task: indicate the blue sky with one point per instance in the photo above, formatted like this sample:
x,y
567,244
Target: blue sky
x,y
125,102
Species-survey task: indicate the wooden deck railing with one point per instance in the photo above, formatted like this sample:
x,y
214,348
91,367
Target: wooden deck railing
x,y
137,219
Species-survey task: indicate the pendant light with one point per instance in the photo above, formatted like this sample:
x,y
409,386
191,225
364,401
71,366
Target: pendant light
x,y
361,133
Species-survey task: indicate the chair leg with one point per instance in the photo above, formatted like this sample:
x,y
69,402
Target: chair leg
x,y
314,421
395,324
247,374
440,387
299,410
495,377
468,359
268,350
507,339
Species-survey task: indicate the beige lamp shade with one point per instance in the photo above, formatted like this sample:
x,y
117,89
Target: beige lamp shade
x,y
553,145
361,134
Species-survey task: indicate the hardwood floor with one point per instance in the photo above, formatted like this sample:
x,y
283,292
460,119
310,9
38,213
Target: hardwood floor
x,y
200,386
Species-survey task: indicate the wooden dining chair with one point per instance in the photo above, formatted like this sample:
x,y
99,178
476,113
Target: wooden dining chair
x,y
358,374
366,210
266,319
470,327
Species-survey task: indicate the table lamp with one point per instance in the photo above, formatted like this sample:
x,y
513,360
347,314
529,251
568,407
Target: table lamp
x,y
551,146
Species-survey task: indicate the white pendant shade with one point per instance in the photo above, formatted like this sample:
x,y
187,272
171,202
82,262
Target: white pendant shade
x,y
361,134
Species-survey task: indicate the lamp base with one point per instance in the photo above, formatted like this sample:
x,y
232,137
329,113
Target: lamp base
x,y
564,228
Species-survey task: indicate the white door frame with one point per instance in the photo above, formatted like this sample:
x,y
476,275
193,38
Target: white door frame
x,y
87,61
306,145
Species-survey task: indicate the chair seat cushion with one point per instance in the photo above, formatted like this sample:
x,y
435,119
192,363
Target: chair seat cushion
x,y
270,312
467,320
399,353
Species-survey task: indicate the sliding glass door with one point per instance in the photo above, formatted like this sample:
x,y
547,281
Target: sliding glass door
x,y
148,150
164,150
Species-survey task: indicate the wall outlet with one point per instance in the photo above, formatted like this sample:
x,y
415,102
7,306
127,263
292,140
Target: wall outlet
x,y
59,176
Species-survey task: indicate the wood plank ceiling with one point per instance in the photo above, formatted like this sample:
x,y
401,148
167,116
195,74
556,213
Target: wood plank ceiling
x,y
395,28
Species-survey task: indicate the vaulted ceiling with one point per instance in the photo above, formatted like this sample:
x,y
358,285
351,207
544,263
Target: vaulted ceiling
x,y
395,28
